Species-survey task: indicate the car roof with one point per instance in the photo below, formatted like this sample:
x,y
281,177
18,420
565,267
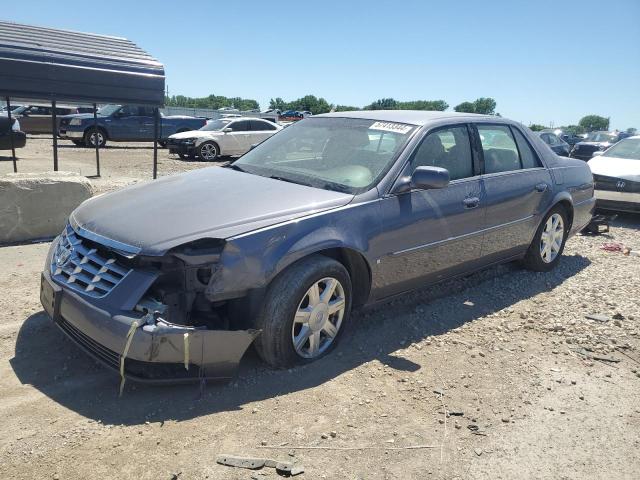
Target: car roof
x,y
413,117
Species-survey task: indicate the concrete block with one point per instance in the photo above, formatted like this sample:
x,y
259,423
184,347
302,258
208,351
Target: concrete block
x,y
37,205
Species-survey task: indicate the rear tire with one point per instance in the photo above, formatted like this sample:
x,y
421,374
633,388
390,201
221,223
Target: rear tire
x,y
548,243
299,326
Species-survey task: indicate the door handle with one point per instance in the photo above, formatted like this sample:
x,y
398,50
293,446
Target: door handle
x,y
471,202
541,187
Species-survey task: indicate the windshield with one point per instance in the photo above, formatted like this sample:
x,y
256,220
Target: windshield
x,y
215,125
107,110
342,154
19,110
628,148
601,137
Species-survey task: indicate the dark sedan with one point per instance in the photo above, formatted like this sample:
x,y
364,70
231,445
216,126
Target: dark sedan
x,y
559,146
176,278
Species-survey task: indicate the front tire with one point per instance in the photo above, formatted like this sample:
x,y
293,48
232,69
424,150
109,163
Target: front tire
x,y
305,311
548,243
94,135
208,151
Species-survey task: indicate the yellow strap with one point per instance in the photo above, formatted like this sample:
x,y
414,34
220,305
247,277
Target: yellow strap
x,y
186,351
130,333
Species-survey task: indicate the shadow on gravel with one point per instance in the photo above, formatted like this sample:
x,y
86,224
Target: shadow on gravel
x,y
45,359
627,220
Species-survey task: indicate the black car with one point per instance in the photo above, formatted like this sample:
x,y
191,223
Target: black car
x,y
19,138
595,142
559,146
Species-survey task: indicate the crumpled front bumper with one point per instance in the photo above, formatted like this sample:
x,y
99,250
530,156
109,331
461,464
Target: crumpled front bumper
x,y
164,355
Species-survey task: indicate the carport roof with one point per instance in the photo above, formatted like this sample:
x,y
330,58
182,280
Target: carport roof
x,y
45,63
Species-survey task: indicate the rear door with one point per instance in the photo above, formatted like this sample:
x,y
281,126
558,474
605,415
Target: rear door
x,y
432,234
517,188
238,141
261,130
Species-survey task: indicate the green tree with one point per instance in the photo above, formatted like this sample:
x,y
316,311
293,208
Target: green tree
x,y
344,108
383,104
483,105
465,107
573,129
594,122
536,127
393,104
211,101
310,103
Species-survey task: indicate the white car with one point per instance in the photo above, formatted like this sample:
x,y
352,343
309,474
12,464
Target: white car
x,y
616,172
225,136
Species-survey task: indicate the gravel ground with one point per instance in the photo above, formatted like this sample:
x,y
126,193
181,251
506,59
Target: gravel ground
x,y
501,374
120,163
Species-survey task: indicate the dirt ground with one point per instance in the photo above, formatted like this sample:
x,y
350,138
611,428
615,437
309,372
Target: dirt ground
x,y
500,374
120,163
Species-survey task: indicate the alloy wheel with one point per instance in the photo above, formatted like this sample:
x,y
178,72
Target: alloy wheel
x,y
97,138
552,238
208,151
318,318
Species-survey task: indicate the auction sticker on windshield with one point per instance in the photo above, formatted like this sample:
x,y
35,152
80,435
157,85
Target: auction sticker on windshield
x,y
391,127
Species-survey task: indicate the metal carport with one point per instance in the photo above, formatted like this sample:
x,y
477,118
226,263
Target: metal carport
x,y
59,65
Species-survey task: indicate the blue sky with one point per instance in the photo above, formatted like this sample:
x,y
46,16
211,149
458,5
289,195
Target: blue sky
x,y
543,61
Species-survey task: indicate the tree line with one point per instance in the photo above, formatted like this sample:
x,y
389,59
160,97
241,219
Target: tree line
x,y
317,105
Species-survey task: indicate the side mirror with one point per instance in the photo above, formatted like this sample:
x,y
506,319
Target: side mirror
x,y
227,130
597,153
424,178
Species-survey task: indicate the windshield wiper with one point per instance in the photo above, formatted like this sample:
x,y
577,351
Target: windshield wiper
x,y
283,179
236,167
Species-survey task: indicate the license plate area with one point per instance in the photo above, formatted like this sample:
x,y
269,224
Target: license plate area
x,y
50,297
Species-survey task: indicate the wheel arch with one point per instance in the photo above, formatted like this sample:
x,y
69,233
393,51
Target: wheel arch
x,y
564,200
100,128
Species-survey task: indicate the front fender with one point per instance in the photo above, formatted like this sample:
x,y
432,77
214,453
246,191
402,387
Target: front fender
x,y
252,260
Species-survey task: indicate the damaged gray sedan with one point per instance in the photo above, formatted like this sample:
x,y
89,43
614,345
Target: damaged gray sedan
x,y
175,279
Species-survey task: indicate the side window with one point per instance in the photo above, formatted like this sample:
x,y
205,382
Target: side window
x,y
146,111
545,138
527,155
241,126
447,148
258,126
129,111
499,148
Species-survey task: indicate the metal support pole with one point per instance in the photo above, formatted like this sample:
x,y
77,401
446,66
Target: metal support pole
x,y
95,126
54,128
13,147
156,121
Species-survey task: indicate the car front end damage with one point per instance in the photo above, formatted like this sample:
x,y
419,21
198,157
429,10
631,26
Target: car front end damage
x,y
147,317
182,146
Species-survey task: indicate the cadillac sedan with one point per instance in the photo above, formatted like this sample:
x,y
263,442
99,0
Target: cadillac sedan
x,y
176,278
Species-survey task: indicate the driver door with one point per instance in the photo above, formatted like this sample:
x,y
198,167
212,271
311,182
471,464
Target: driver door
x,y
429,235
238,141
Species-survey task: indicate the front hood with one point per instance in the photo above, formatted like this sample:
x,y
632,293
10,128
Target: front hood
x,y
193,134
212,202
622,168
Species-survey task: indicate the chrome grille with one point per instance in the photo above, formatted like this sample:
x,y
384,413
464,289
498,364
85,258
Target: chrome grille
x,y
83,268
